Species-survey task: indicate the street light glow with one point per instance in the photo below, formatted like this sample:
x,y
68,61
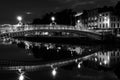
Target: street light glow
x,y
53,18
19,18
21,77
54,72
78,21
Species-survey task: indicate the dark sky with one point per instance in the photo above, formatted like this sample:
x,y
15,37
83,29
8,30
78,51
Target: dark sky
x,y
9,9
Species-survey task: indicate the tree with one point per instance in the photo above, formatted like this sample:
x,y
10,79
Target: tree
x,y
64,17
117,8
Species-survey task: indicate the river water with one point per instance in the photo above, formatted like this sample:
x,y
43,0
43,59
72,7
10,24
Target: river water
x,y
27,60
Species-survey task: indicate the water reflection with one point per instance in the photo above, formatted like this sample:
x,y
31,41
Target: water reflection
x,y
21,76
54,72
104,56
66,57
107,58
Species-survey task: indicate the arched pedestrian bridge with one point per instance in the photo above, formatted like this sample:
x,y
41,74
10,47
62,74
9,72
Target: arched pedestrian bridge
x,y
60,30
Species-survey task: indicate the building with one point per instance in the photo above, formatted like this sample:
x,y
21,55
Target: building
x,y
109,21
100,19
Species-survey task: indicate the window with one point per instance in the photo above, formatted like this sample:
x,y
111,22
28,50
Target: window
x,y
106,14
100,14
114,25
111,18
106,25
114,19
100,26
118,19
103,19
100,19
117,53
117,25
103,25
111,24
95,18
103,15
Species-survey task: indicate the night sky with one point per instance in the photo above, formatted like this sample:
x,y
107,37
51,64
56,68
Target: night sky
x,y
30,9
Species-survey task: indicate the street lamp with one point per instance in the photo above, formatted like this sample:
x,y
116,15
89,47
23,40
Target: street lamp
x,y
53,18
78,21
53,21
19,18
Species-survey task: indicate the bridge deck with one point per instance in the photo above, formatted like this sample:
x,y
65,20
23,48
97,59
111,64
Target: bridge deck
x,y
57,28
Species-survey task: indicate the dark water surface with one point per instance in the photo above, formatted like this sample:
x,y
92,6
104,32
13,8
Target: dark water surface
x,y
27,60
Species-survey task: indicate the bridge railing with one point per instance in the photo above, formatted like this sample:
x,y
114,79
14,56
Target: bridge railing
x,y
39,27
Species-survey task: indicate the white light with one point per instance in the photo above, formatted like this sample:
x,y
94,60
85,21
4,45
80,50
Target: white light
x,y
95,59
79,66
19,18
59,48
54,72
21,77
28,13
105,18
100,63
78,21
107,21
53,18
20,70
105,62
78,14
95,54
76,60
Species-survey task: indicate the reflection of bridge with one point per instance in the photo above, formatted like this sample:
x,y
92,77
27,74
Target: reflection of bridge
x,y
13,31
36,65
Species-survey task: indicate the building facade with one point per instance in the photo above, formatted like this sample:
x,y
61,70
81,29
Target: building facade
x,y
100,19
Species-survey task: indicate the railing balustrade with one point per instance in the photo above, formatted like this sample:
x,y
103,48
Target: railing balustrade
x,y
38,27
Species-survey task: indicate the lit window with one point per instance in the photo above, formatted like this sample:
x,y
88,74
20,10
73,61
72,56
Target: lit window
x,y
95,18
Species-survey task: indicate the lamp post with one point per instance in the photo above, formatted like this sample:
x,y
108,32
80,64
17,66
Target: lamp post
x,y
53,21
19,18
53,18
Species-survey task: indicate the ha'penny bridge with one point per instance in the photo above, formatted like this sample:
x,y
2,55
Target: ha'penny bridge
x,y
60,30
49,31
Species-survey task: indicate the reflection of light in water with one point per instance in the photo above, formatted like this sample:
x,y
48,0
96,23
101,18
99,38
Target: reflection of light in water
x,y
108,58
59,48
100,63
90,50
20,70
76,60
54,72
48,48
21,74
95,59
79,65
21,77
78,50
